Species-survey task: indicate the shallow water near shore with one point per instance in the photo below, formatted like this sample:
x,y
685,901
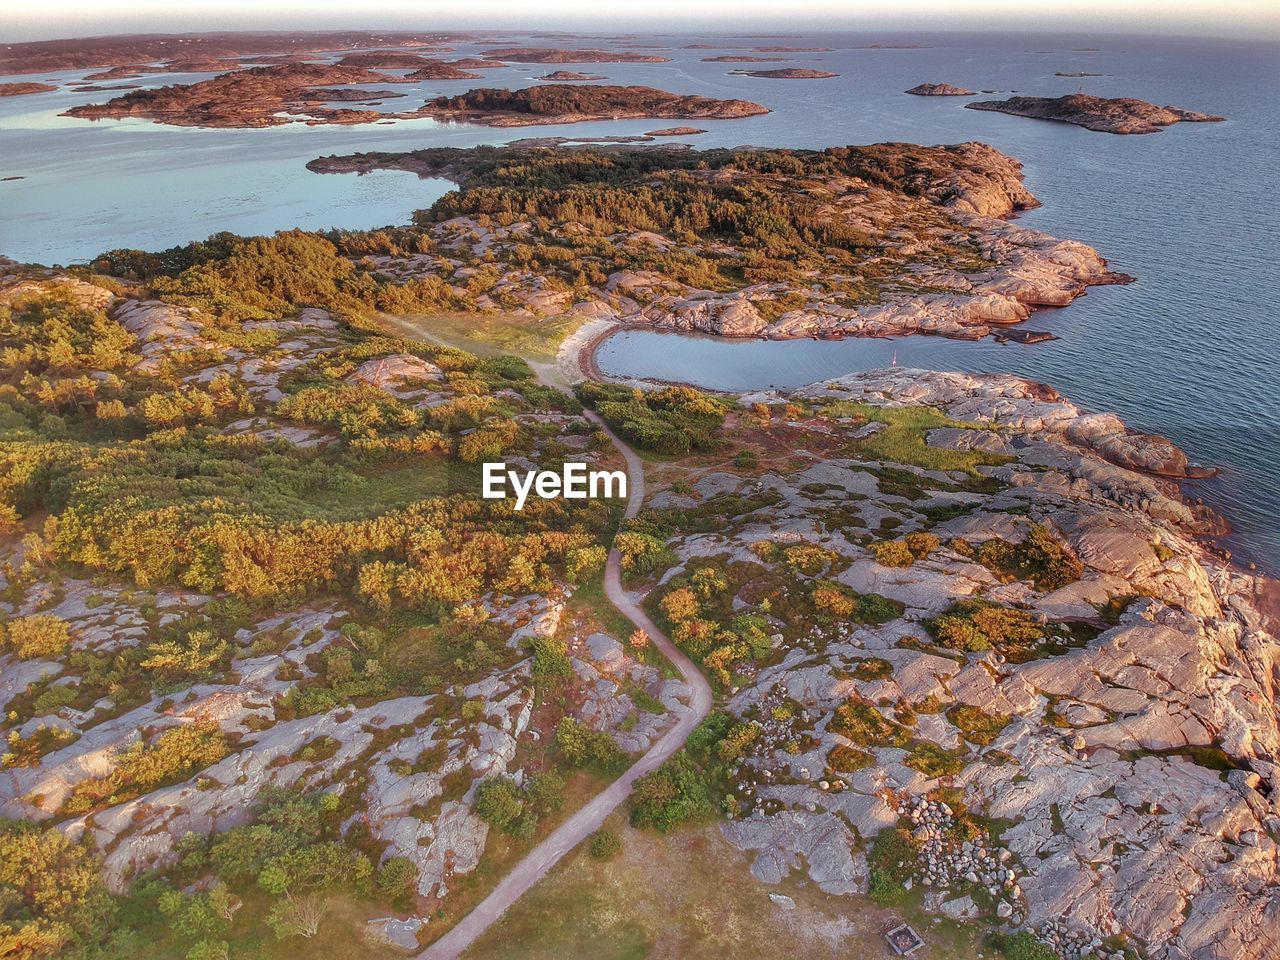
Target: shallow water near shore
x,y
1192,349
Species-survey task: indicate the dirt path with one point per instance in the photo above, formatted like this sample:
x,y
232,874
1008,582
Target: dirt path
x,y
592,816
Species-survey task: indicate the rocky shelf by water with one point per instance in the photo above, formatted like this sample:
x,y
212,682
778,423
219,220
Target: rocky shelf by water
x,y
1124,115
939,90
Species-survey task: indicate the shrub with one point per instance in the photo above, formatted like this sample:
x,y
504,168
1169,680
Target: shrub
x,y
977,725
863,724
38,636
397,876
873,668
605,845
1039,558
674,794
891,860
585,562
1022,946
680,605
551,659
921,543
584,747
933,761
845,759
974,625
893,553
642,553
498,802
840,603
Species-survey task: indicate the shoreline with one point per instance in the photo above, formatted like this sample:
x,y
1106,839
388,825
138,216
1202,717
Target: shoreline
x,y
576,359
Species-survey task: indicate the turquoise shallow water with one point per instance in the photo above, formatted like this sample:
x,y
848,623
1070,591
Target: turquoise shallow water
x,y
1191,350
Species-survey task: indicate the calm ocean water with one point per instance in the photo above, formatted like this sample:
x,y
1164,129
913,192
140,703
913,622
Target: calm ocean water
x,y
1191,350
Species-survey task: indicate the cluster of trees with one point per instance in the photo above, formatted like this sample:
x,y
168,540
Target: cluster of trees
x,y
673,420
974,625
172,757
232,279
698,610
515,809
292,856
1040,558
691,786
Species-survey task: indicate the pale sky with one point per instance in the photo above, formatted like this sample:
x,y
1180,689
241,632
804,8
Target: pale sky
x,y
25,19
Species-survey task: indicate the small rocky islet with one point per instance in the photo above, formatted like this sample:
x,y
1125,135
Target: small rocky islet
x,y
788,73
939,90
24,89
1123,115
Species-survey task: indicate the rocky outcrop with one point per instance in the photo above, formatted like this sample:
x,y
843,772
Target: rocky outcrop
x,y
1029,408
1119,115
390,372
939,90
1132,767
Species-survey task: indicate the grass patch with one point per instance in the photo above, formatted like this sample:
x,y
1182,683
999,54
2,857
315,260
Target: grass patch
x,y
904,438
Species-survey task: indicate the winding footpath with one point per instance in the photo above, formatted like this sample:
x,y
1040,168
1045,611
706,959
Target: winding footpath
x,y
591,817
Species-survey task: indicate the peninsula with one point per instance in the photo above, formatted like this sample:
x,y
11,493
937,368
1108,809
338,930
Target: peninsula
x,y
882,240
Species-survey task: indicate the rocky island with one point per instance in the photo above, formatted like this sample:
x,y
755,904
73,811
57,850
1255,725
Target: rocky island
x,y
899,239
22,89
551,55
254,97
439,70
939,90
1123,115
788,73
567,76
130,52
297,92
575,104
